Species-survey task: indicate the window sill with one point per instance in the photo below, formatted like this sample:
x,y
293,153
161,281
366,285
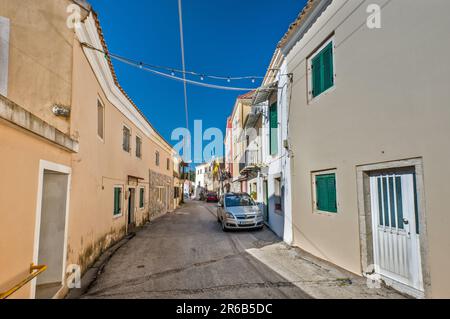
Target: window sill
x,y
324,213
117,216
313,100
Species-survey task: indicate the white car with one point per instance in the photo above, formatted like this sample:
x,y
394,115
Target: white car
x,y
239,211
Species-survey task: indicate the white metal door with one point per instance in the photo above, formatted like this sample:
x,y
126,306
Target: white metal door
x,y
395,232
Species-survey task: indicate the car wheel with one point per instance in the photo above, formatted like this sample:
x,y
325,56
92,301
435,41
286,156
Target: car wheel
x,y
224,228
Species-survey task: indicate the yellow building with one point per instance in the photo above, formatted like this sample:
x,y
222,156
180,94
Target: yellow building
x,y
80,164
240,111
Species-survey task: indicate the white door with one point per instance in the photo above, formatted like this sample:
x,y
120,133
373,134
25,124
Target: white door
x,y
395,232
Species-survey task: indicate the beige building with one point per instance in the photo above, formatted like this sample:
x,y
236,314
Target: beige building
x,y
368,132
80,164
237,148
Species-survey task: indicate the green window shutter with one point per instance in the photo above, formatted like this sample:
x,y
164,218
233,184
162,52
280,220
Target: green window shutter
x,y
117,197
116,204
141,198
273,119
317,75
321,193
326,193
322,70
332,200
328,74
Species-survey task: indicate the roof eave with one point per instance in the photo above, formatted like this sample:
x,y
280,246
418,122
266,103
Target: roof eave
x,y
305,20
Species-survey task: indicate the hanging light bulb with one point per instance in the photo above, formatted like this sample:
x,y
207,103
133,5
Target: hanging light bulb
x,y
253,80
202,77
140,65
173,73
229,80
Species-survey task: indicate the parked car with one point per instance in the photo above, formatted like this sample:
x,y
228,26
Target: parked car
x,y
239,211
212,197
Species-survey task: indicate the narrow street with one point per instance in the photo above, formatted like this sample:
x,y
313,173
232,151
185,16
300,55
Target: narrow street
x,y
186,255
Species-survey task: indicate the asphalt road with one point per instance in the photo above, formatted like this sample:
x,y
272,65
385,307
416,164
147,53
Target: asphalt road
x,y
186,255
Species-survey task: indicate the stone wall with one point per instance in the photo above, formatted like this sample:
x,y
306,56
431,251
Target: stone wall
x,y
160,194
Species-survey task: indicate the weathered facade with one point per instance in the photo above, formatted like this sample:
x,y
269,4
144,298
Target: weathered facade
x,y
81,166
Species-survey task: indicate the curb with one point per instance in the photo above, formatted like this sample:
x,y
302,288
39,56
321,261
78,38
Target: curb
x,y
91,275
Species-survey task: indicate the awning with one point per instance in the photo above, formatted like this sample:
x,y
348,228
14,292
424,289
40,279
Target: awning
x,y
263,93
253,116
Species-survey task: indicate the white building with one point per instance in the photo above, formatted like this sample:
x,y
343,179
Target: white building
x,y
272,179
202,180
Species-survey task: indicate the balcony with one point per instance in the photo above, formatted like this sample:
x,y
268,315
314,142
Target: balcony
x,y
253,116
253,161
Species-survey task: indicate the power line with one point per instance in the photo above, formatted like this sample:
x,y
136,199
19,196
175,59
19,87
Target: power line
x,y
180,15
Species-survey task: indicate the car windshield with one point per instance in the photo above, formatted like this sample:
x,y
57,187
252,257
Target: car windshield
x,y
238,200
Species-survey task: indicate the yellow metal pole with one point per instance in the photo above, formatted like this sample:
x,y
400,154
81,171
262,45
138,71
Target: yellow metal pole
x,y
35,270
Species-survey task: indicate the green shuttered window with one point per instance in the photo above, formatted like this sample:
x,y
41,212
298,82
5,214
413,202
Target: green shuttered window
x,y
117,201
141,197
273,118
326,200
322,70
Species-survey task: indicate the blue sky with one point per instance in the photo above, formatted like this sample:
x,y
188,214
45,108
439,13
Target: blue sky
x,y
222,37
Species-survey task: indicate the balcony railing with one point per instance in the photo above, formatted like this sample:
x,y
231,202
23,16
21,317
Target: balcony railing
x,y
252,157
252,162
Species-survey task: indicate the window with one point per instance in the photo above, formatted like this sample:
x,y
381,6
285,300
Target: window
x,y
161,194
273,119
238,200
126,139
278,189
168,164
322,70
157,158
100,120
117,200
138,147
4,55
325,193
141,197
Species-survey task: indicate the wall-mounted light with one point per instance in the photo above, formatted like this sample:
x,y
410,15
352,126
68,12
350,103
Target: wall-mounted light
x,y
60,110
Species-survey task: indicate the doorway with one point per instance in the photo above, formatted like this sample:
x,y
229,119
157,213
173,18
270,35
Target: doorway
x,y
395,228
51,229
131,206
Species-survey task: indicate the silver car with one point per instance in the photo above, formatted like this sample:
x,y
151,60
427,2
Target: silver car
x,y
239,211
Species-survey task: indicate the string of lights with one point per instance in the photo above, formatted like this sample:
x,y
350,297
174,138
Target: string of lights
x,y
177,74
174,77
